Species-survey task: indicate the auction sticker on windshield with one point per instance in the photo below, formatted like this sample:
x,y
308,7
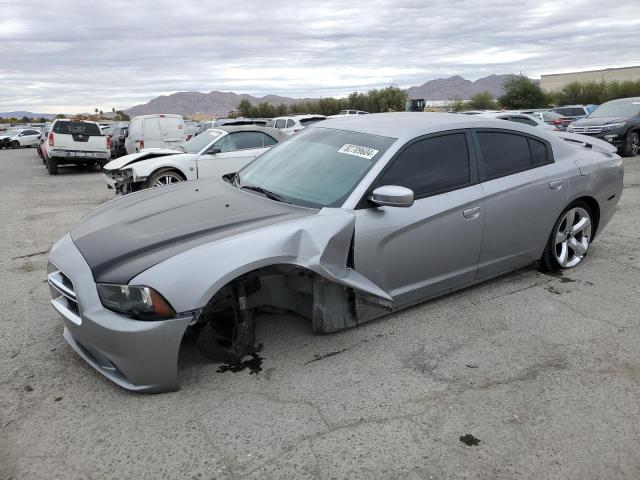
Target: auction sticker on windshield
x,y
358,151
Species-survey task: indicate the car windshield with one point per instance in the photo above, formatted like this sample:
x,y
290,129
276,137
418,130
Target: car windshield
x,y
617,109
197,143
318,167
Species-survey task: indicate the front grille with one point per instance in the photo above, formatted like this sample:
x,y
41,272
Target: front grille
x,y
588,130
63,294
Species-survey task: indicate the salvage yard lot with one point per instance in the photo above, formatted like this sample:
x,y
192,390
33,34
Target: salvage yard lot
x,y
543,370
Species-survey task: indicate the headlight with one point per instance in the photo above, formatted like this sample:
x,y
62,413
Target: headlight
x,y
613,126
142,303
126,173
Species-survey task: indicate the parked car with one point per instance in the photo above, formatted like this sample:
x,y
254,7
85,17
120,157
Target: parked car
x,y
352,112
519,118
295,123
155,131
617,122
27,137
572,113
342,223
214,152
7,135
118,137
42,139
75,142
551,118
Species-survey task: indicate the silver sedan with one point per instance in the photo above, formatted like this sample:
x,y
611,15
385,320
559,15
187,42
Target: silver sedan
x,y
347,221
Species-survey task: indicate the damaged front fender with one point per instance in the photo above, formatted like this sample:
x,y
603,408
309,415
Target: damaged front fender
x,y
319,243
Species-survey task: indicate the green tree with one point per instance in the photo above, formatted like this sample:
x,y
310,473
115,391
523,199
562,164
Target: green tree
x,y
61,115
521,92
457,104
245,109
120,115
482,101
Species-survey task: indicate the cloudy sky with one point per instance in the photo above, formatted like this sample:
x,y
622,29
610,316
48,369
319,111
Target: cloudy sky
x,y
72,56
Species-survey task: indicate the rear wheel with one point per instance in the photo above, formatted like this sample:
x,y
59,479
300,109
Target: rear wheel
x,y
52,166
164,178
631,145
569,239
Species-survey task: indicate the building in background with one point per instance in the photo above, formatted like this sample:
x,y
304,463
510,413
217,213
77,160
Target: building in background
x,y
558,80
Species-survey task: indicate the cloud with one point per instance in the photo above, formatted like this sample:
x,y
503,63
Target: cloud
x,y
74,56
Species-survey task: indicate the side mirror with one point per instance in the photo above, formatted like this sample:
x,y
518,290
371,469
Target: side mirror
x,y
392,196
213,151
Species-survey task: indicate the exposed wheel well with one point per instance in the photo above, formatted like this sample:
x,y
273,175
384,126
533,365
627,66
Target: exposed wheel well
x,y
168,169
329,306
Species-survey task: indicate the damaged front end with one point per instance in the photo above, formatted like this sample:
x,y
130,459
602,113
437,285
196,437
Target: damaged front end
x,y
123,181
305,267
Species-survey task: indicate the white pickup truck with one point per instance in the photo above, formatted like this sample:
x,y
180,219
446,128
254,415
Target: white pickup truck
x,y
77,142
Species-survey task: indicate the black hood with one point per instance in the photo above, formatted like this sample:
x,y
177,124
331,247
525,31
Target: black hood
x,y
124,237
598,121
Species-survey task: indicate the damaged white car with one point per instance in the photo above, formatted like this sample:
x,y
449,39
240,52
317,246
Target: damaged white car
x,y
346,221
215,151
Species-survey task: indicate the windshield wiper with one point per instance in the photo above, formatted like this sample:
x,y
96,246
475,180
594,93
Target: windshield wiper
x,y
266,193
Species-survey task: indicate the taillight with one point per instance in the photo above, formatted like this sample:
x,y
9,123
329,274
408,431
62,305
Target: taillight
x,y
189,137
557,121
141,144
51,139
108,142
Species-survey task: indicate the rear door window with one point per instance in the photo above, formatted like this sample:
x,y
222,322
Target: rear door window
x,y
540,153
290,123
280,123
84,128
150,125
503,154
431,166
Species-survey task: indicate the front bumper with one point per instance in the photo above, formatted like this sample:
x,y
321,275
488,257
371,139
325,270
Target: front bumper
x,y
121,183
614,137
137,355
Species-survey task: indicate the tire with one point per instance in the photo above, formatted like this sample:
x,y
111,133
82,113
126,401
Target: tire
x,y
570,238
631,144
52,165
15,144
164,178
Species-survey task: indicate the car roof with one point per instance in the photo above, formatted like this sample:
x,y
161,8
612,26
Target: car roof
x,y
408,125
625,100
273,132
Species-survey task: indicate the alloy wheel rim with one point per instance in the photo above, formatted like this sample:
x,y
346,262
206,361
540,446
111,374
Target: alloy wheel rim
x,y
635,144
572,237
167,179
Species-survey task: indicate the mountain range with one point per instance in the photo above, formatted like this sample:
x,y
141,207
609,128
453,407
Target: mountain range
x,y
221,103
22,113
457,86
212,103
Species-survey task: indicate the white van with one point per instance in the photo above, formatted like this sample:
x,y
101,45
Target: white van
x,y
155,131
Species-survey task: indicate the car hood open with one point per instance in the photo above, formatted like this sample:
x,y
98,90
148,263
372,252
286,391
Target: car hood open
x,y
125,160
128,235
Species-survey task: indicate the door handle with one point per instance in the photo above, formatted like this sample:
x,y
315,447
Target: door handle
x,y
471,213
555,185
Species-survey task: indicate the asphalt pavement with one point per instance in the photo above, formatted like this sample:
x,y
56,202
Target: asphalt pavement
x,y
527,376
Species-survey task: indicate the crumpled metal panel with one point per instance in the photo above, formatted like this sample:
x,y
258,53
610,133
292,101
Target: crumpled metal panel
x,y
318,242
